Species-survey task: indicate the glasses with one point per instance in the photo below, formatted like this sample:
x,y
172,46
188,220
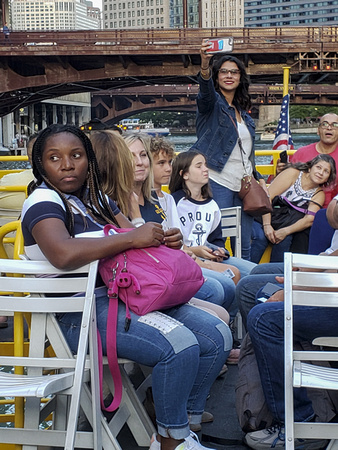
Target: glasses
x,y
231,71
328,124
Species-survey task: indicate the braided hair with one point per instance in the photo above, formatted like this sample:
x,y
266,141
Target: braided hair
x,y
91,194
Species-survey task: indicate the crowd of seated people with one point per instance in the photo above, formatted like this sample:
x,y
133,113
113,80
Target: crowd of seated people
x,y
133,170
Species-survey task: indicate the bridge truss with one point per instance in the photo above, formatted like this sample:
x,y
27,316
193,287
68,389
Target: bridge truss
x,y
36,66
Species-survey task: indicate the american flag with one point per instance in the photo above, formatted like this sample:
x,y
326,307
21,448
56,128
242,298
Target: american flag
x,y
283,139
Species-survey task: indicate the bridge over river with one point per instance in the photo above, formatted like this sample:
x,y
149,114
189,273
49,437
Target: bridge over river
x,y
36,66
115,104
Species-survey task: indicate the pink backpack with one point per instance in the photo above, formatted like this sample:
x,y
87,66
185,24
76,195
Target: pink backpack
x,y
145,279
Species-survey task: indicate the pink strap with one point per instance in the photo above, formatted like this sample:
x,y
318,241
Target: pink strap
x,y
112,357
302,210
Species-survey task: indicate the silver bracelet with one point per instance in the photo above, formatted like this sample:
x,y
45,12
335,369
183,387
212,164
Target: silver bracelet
x,y
138,222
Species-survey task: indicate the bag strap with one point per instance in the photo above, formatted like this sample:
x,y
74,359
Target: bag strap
x,y
302,210
239,140
112,357
238,137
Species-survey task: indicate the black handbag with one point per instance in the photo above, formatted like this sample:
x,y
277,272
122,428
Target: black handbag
x,y
285,213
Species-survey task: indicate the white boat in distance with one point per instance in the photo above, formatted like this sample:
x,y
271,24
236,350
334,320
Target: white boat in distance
x,y
135,125
268,133
267,137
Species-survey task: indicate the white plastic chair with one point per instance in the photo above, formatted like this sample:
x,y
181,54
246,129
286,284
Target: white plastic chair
x,y
231,226
308,288
61,377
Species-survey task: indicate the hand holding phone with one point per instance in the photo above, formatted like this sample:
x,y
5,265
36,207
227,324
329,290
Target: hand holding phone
x,y
221,254
221,45
267,291
283,156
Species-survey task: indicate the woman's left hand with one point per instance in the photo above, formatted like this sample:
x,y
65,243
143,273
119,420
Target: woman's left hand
x,y
280,235
173,238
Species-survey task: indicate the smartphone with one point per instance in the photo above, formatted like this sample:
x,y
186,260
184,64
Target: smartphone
x,y
267,291
283,157
225,256
221,45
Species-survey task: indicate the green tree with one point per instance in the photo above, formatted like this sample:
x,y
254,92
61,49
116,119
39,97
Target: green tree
x,y
314,111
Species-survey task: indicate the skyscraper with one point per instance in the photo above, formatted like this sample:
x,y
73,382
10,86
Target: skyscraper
x,y
280,13
46,15
169,13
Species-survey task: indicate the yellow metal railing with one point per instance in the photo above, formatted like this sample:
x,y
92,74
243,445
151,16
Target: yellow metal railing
x,y
269,169
11,159
264,169
18,347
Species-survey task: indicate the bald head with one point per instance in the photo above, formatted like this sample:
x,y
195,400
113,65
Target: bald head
x,y
328,132
329,117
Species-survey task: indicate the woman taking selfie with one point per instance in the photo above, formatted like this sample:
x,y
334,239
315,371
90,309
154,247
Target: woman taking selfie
x,y
222,120
66,201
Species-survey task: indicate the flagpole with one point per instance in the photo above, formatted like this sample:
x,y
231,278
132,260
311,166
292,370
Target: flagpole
x,y
283,139
286,76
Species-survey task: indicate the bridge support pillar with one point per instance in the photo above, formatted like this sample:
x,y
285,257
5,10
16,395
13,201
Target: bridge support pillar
x,y
44,116
31,122
7,129
267,114
55,114
64,115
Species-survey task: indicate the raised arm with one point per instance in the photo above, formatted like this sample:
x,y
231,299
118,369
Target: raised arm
x,y
207,96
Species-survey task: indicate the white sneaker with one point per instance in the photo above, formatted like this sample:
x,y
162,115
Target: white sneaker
x,y
190,443
274,437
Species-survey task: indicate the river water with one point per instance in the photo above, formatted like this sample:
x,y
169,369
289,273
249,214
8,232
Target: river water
x,y
184,142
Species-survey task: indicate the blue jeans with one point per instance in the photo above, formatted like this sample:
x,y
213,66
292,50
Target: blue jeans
x,y
244,266
260,242
186,347
220,289
246,291
216,279
268,268
248,287
211,290
225,198
266,329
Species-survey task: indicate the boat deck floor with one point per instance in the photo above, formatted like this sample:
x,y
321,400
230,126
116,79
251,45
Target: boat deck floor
x,y
222,434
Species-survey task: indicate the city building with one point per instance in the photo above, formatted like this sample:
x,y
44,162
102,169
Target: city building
x,y
170,13
222,13
72,109
50,15
136,14
35,15
280,13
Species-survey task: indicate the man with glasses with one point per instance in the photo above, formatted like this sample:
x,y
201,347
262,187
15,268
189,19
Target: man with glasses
x,y
328,144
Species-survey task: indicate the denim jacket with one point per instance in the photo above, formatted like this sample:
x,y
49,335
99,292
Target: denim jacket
x,y
216,134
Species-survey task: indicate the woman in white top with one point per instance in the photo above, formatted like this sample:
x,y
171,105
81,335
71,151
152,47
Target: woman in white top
x,y
222,121
296,195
